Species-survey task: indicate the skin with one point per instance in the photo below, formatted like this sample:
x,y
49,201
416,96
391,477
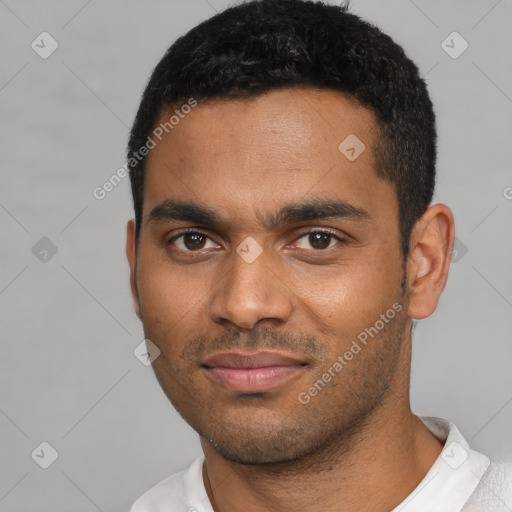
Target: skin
x,y
356,443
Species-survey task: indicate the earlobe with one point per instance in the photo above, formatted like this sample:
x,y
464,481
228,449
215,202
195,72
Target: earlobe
x,y
131,255
429,258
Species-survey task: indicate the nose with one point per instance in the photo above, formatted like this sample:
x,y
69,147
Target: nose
x,y
251,292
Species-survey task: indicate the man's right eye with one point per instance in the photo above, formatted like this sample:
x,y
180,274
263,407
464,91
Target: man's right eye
x,y
190,241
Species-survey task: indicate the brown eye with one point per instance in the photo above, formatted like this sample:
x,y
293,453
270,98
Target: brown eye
x,y
318,240
194,241
191,241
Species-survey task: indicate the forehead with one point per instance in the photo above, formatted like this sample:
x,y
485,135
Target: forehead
x,y
288,120
280,145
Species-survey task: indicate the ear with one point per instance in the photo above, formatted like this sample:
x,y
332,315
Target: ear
x,y
428,263
131,255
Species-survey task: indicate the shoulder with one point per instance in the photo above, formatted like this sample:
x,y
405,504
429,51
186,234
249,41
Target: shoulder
x,y
180,492
494,491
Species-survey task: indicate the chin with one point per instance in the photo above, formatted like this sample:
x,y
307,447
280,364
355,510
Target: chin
x,y
256,454
268,444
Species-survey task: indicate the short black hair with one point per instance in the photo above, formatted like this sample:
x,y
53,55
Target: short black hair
x,y
261,45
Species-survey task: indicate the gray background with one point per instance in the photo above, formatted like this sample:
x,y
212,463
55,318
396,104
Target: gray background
x,y
68,373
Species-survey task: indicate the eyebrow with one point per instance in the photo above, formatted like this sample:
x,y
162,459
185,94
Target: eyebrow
x,y
310,209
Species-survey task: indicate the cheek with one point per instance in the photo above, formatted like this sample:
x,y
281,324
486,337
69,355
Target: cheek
x,y
167,296
342,301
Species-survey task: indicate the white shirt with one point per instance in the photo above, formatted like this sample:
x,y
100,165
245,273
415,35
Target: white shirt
x,y
460,480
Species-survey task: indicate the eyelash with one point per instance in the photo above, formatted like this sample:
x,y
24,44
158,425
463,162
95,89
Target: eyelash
x,y
199,232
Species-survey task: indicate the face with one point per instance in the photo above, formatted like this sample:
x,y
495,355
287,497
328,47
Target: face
x,y
269,258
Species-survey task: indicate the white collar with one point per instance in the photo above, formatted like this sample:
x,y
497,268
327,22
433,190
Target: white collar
x,y
453,477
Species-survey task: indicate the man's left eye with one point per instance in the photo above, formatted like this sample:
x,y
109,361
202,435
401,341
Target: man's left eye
x,y
319,240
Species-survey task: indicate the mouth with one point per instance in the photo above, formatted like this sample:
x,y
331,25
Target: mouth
x,y
252,372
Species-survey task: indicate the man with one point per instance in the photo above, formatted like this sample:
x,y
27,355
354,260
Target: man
x,y
282,168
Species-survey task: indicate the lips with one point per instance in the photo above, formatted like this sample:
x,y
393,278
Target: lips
x,y
252,372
